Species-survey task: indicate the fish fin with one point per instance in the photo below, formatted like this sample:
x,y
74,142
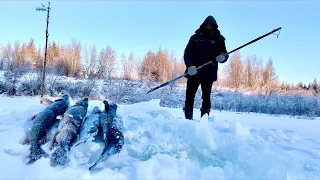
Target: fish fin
x,y
57,100
25,141
68,115
54,142
45,101
32,117
46,138
35,154
96,110
105,155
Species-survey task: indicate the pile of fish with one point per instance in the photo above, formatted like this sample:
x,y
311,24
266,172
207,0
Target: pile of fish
x,y
74,128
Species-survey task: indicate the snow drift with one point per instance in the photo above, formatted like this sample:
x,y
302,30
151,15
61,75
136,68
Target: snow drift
x,y
161,144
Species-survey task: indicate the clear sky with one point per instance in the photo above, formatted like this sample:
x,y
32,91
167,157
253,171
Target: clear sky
x,y
143,25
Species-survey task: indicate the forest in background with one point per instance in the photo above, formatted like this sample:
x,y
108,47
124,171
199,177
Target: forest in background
x,y
76,59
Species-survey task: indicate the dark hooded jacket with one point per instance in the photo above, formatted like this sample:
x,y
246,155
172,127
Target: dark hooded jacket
x,y
203,47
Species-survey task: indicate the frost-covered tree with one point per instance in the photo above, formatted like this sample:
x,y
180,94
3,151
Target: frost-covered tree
x,y
234,71
269,77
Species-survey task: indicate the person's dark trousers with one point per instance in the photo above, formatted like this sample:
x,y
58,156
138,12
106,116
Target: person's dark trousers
x,y
193,83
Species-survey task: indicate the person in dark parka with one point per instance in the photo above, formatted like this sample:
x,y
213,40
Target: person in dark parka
x,y
205,45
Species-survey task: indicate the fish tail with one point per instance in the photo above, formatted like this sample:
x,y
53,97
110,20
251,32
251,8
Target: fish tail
x,y
93,166
78,143
109,152
59,156
36,154
102,158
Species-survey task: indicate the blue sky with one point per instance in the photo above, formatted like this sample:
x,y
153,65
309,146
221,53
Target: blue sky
x,y
143,25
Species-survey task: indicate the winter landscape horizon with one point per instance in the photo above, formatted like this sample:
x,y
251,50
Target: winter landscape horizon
x,y
265,115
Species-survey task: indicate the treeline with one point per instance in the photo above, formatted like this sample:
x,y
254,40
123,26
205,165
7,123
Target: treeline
x,y
80,60
76,59
72,60
250,74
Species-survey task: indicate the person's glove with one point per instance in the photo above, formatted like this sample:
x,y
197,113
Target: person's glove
x,y
220,58
192,70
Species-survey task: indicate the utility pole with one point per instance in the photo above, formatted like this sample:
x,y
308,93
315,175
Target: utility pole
x,y
43,8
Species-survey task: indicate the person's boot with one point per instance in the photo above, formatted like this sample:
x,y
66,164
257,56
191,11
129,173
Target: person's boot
x,y
188,113
204,111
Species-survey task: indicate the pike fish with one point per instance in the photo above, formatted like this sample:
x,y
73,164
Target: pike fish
x,y
41,124
67,132
112,136
90,127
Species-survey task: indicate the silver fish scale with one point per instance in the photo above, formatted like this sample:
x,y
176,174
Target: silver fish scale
x,y
68,129
41,123
89,128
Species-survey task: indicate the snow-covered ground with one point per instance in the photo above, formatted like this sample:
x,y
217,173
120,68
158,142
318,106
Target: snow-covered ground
x,y
160,144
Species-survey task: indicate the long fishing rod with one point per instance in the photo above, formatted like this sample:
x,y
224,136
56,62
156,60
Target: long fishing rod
x,y
211,62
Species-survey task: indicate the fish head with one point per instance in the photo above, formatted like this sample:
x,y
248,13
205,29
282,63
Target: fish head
x,y
106,105
83,102
96,110
65,98
110,118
